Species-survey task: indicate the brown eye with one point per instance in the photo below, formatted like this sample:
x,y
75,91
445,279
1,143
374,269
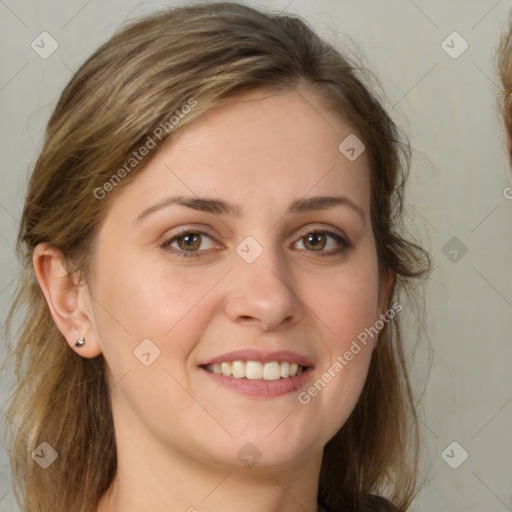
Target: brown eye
x,y
325,243
315,241
188,243
191,241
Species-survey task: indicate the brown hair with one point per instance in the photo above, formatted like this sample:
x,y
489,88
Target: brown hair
x,y
505,74
131,85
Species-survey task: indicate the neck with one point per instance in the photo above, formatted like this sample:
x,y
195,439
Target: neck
x,y
152,477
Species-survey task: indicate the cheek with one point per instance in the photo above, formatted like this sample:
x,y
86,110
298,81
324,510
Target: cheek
x,y
149,318
347,301
347,313
137,299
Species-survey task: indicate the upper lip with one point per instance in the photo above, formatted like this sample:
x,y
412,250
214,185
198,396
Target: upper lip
x,y
260,355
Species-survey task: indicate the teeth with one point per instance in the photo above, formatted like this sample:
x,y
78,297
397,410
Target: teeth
x,y
254,370
226,368
271,371
285,369
238,369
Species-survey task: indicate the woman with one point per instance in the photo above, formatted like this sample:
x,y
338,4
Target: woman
x,y
213,275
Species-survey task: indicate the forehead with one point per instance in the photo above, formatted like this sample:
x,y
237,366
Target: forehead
x,y
270,146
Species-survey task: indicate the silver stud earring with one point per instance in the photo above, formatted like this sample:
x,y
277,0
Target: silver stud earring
x,y
80,342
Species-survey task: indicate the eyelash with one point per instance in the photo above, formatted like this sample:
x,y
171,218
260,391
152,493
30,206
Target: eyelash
x,y
342,241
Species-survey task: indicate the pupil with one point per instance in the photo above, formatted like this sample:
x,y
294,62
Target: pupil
x,y
190,240
316,239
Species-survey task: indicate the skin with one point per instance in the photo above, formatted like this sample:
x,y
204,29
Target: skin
x,y
177,431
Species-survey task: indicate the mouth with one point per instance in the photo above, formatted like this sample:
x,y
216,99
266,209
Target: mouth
x,y
259,374
256,370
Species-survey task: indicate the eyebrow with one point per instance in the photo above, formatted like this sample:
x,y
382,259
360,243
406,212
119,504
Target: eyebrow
x,y
220,207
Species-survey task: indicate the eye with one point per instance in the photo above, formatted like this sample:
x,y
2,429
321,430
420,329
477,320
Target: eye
x,y
191,244
188,243
318,240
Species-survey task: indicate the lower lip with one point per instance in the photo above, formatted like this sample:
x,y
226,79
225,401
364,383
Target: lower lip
x,y
262,388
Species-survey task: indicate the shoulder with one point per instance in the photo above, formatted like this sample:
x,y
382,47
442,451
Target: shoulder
x,y
374,503
371,503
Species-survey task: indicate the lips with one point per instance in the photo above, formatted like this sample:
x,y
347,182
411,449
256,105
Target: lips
x,y
258,373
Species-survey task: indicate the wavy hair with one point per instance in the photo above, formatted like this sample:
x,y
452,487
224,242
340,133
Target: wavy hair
x,y
126,89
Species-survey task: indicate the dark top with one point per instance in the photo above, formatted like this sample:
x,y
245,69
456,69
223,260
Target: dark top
x,y
372,503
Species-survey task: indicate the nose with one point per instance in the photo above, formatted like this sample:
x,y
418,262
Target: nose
x,y
263,293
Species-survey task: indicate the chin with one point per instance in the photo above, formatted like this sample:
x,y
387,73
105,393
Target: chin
x,y
262,448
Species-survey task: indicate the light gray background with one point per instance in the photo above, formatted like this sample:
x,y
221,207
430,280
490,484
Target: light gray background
x,y
448,108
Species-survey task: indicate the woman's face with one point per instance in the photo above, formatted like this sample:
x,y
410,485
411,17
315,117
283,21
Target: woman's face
x,y
248,239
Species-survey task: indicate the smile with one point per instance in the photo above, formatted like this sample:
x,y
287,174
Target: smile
x,y
256,370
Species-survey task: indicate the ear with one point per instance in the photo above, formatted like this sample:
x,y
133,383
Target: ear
x,y
386,289
69,301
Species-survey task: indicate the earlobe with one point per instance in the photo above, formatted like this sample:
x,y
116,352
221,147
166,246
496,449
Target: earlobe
x,y
69,302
